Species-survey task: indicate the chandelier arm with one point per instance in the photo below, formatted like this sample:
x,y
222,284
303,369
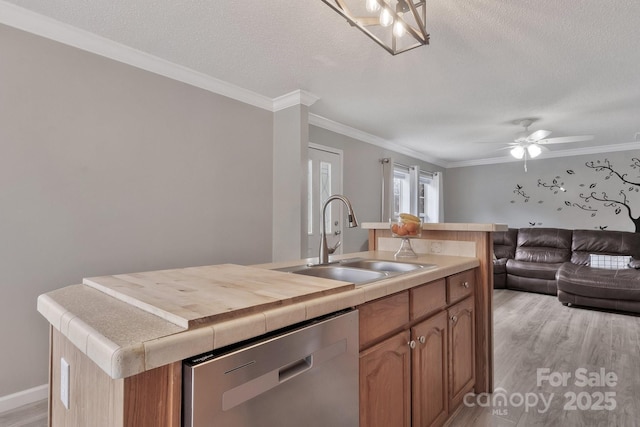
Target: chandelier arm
x,y
421,37
352,21
344,7
418,18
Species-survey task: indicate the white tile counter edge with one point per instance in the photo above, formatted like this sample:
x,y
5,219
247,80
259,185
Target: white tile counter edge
x,y
121,361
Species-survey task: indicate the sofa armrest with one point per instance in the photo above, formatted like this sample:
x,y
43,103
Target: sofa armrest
x,y
634,263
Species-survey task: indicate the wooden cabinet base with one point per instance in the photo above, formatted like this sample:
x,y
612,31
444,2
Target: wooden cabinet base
x,y
149,399
418,354
385,383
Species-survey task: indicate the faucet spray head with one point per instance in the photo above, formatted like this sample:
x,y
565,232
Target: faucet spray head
x,y
353,221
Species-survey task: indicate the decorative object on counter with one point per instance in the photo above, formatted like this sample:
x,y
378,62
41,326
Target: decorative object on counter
x,y
405,227
396,25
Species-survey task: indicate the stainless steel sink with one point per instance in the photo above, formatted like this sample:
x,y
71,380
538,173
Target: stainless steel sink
x,y
357,270
381,265
337,272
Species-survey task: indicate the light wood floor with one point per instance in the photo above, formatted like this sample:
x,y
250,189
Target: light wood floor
x,y
531,332
32,415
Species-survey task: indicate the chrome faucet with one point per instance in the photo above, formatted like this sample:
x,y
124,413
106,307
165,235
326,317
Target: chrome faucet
x,y
323,257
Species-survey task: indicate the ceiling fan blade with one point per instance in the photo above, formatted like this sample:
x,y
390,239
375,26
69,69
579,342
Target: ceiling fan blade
x,y
565,139
538,135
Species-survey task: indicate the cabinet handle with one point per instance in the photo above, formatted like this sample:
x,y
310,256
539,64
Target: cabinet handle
x,y
465,284
422,339
412,344
454,319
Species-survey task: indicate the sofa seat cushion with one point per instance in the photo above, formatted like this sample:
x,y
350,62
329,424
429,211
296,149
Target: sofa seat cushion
x,y
536,270
621,284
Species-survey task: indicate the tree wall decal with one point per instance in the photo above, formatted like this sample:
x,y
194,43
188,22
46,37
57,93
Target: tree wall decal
x,y
619,202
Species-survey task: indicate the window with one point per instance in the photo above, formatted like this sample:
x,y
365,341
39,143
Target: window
x,y
428,197
410,190
401,190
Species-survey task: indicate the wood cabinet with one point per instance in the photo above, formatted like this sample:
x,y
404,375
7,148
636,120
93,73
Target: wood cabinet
x,y
430,389
461,350
385,378
417,360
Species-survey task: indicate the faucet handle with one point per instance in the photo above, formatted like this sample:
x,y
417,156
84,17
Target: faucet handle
x,y
336,246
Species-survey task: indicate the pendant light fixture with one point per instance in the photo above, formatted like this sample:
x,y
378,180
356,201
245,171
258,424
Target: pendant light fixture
x,y
396,25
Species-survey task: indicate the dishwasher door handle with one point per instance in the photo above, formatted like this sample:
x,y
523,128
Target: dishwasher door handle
x,y
295,368
264,383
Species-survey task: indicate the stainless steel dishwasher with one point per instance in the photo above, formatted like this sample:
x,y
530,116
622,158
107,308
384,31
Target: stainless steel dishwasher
x,y
304,376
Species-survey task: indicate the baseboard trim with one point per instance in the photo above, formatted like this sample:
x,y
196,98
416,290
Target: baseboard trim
x,y
21,398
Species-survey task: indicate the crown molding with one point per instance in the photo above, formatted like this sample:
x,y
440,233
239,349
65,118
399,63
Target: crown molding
x,y
26,20
297,97
34,23
601,149
343,129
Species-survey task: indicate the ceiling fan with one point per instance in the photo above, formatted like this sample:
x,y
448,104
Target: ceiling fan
x,y
531,144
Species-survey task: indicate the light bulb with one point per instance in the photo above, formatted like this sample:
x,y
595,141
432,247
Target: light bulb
x,y
373,6
398,29
386,18
534,150
517,151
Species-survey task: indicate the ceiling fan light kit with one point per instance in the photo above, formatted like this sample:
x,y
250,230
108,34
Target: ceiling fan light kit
x,y
533,150
531,144
396,25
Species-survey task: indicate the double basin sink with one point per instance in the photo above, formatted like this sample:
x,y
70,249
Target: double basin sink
x,y
359,271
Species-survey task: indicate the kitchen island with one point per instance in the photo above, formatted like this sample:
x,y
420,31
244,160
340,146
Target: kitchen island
x,y
126,361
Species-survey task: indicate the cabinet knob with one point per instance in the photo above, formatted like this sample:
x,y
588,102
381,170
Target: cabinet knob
x,y
454,319
465,284
412,344
422,339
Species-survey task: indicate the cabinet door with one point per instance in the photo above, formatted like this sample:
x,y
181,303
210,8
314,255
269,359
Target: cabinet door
x,y
430,367
461,350
385,383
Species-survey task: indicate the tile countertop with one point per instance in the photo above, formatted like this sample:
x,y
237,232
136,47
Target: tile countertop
x,y
442,226
124,340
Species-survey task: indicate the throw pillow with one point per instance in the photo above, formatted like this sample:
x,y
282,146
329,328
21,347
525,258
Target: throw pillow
x,y
609,262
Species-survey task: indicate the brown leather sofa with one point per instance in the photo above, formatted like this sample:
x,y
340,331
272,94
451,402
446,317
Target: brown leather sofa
x,y
555,261
580,284
539,254
504,249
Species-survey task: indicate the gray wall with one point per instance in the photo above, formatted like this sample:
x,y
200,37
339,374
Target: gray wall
x,y
104,169
362,179
504,193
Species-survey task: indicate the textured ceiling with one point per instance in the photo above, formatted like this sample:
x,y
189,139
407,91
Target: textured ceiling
x,y
573,64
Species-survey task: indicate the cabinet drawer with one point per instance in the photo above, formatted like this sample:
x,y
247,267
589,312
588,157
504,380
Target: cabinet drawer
x,y
460,285
427,298
379,317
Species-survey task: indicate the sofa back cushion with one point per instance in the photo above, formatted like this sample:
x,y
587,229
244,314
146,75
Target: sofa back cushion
x,y
587,242
504,243
545,245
